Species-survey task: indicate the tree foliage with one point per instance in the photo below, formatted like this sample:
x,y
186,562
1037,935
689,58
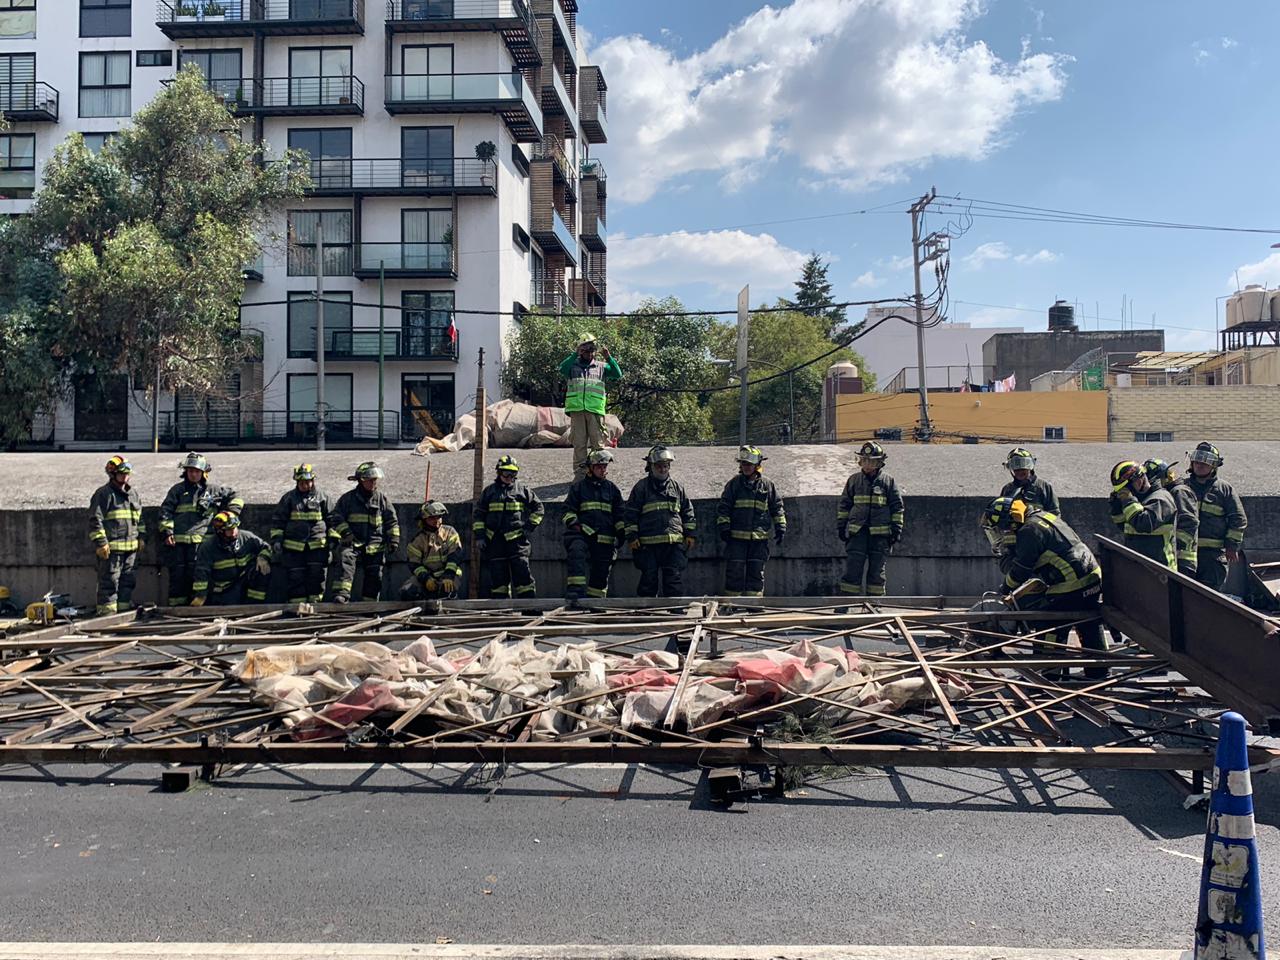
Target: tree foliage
x,y
134,257
814,295
657,349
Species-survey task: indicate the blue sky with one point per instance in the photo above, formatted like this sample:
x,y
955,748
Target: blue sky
x,y
727,115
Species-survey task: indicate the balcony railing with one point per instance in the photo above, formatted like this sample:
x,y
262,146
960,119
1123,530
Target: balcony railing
x,y
549,294
594,234
513,18
506,94
559,235
592,167
253,270
29,101
420,177
552,148
425,259
300,96
243,18
361,343
556,98
562,34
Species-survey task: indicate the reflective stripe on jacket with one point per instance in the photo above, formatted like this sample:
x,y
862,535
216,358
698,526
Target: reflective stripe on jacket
x,y
1222,517
598,507
507,512
1187,525
750,508
220,566
586,389
436,553
187,508
115,518
369,519
1149,524
659,512
872,503
302,522
1045,547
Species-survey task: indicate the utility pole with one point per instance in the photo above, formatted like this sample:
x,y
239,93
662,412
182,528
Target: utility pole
x,y
382,353
744,323
918,245
477,482
320,337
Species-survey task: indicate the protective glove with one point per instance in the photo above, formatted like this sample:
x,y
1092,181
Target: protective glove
x,y
348,539
277,552
197,601
448,585
842,532
169,541
103,551
430,585
779,534
635,546
688,544
725,534
264,565
1233,555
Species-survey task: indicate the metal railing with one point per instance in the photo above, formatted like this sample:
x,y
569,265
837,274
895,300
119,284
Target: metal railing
x,y
258,11
940,377
423,257
551,295
459,88
29,97
429,10
553,9
422,343
279,93
408,174
563,233
552,148
594,227
592,168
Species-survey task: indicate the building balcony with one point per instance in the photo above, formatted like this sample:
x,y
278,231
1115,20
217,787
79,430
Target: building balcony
x,y
433,260
557,100
295,96
28,101
361,344
594,235
554,235
561,33
549,294
551,150
588,293
593,104
512,18
505,94
593,170
396,177
253,271
196,19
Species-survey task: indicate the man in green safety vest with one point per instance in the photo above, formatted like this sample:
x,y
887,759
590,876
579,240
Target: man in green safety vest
x,y
584,399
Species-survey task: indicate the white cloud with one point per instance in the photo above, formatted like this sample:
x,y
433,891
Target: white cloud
x,y
998,250
1265,272
1228,43
868,279
895,264
860,91
1040,256
720,262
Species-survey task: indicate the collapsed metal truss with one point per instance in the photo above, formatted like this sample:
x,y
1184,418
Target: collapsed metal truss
x,y
157,687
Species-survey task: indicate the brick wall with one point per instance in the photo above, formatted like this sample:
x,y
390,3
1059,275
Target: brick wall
x,y
1196,413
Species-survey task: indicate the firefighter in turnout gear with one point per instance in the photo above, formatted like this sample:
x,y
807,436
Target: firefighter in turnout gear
x,y
1222,517
585,397
508,512
184,520
594,526
1047,553
301,533
365,520
1025,485
435,555
1145,514
233,566
117,533
869,522
1187,525
749,515
660,527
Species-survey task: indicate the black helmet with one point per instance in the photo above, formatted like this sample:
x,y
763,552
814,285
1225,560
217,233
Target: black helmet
x,y
1206,452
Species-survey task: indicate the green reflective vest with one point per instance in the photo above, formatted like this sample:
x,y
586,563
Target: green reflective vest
x,y
586,389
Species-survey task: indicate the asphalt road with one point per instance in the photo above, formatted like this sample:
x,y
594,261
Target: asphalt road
x,y
609,856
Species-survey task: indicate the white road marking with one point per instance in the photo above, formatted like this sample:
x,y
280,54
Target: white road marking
x,y
1179,853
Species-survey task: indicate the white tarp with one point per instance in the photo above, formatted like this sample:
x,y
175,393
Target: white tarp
x,y
514,425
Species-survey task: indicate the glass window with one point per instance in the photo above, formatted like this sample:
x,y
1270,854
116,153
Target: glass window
x,y
337,242
337,397
104,84
1055,433
221,69
94,142
330,151
427,236
426,156
427,405
319,75
17,81
106,18
425,320
17,165
155,58
17,19
302,323
428,72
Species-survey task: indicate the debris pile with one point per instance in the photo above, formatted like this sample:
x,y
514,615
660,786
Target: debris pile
x,y
514,425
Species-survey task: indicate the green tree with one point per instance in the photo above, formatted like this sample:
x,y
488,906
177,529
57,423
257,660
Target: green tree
x,y
133,259
659,350
813,295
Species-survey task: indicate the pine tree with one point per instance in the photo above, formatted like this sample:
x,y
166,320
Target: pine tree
x,y
813,294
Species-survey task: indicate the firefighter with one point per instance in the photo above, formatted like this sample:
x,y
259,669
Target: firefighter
x,y
1145,514
585,397
749,515
1047,553
1025,485
117,533
1187,525
435,555
184,520
869,522
233,566
507,513
660,527
301,534
365,520
1222,517
594,525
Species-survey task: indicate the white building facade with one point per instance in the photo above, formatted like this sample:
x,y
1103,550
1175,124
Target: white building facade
x,y
452,164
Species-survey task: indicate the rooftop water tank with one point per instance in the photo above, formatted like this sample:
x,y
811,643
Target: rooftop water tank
x,y
1233,309
842,369
1275,304
1254,304
1062,318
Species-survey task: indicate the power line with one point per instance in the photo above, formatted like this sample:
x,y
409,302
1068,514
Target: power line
x,y
999,210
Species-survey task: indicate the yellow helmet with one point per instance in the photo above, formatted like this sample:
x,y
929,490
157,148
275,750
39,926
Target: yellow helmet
x,y
1123,473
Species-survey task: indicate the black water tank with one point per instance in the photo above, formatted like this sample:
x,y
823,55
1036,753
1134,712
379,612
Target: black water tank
x,y
1062,318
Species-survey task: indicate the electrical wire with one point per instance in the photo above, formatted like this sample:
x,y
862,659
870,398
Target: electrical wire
x,y
999,210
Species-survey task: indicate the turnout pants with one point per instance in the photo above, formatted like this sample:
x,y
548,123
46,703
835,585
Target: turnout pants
x,y
1085,602
250,588
588,435
304,571
415,589
744,562
863,552
504,566
182,569
115,582
371,565
661,569
589,565
1211,567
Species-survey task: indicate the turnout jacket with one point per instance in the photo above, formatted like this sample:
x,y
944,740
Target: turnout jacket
x,y
871,503
1045,547
659,512
369,520
1034,493
1148,523
598,506
302,521
115,518
1187,524
1222,519
507,513
220,565
436,553
187,508
750,507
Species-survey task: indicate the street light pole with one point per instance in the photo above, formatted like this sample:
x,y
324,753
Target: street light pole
x,y
320,337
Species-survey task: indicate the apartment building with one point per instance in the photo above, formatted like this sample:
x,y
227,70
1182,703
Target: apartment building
x,y
454,177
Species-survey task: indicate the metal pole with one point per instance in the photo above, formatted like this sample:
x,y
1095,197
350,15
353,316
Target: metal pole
x,y
320,337
791,407
744,321
477,481
382,355
917,208
155,400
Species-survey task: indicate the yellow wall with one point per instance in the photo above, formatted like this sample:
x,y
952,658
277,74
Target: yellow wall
x,y
1002,417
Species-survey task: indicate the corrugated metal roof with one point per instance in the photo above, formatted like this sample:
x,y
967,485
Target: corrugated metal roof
x,y
1170,359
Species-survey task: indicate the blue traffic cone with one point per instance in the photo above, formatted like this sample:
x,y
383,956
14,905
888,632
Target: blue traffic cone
x,y
1229,924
